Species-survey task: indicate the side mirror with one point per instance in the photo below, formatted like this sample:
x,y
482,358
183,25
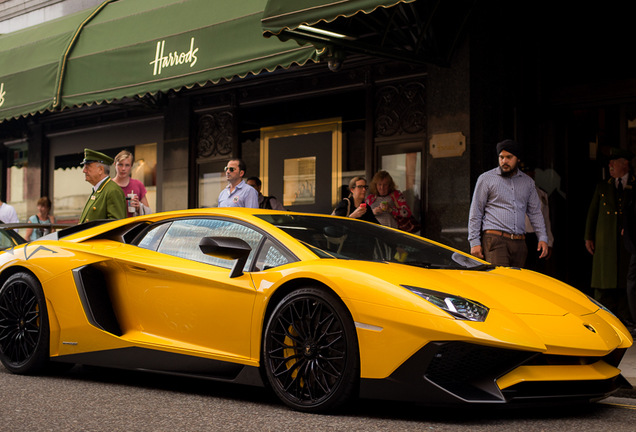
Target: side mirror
x,y
230,248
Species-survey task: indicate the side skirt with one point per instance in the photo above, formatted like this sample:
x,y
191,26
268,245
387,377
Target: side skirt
x,y
143,359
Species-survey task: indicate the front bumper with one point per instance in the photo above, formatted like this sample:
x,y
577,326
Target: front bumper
x,y
450,373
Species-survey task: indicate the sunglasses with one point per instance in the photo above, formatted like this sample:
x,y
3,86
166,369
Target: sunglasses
x,y
362,187
230,169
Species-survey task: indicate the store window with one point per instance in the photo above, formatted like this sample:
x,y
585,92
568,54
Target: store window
x,y
16,178
301,163
211,182
353,154
70,190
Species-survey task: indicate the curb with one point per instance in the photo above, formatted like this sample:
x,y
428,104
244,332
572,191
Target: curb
x,y
627,393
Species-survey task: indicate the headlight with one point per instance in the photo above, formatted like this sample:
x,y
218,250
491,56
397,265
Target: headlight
x,y
458,307
597,303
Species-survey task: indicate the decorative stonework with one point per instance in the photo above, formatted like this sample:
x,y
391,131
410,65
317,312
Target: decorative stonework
x,y
400,110
214,136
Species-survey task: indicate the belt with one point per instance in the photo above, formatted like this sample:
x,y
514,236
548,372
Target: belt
x,y
506,235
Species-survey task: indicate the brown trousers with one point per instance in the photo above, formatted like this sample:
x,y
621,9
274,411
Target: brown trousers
x,y
502,251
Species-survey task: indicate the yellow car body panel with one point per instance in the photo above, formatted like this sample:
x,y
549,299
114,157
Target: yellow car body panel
x,y
171,305
597,371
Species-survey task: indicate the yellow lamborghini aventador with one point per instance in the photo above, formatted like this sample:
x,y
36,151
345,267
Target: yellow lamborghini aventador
x,y
321,309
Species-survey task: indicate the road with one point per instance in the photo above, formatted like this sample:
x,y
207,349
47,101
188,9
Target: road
x,y
95,399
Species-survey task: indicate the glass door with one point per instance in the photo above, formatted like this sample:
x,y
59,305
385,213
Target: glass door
x,y
404,163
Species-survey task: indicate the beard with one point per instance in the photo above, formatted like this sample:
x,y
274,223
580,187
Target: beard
x,y
509,173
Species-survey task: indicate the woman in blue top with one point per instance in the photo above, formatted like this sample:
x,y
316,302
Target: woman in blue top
x,y
43,216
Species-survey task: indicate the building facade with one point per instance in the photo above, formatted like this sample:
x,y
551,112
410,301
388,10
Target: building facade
x,y
422,92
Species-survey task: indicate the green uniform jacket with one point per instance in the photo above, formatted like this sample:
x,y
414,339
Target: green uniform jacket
x,y
108,202
604,221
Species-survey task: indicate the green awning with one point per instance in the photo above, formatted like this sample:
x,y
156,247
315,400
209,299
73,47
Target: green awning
x,y
289,15
31,61
134,47
414,31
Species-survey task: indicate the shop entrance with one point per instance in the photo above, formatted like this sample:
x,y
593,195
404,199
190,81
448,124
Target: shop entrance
x,y
301,165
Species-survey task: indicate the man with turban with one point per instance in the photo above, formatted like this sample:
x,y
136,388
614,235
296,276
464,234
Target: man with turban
x,y
497,221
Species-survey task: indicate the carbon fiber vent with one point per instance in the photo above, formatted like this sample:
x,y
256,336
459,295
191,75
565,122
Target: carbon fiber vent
x,y
458,362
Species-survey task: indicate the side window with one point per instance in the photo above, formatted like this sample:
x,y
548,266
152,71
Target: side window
x,y
183,236
153,237
272,256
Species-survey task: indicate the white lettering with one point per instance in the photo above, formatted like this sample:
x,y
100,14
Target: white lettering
x,y
2,93
158,57
175,58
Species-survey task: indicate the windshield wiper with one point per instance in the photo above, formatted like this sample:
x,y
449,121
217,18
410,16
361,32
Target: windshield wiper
x,y
482,267
429,265
425,264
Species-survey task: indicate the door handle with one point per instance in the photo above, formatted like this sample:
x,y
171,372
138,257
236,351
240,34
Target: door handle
x,y
136,269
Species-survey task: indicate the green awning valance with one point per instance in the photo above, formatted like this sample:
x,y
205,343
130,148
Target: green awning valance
x,y
127,48
289,15
135,47
31,61
414,31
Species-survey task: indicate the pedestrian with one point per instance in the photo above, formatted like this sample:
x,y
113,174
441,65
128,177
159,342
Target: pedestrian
x,y
237,193
264,202
107,200
502,198
354,206
629,237
389,205
134,190
8,213
43,216
532,241
611,259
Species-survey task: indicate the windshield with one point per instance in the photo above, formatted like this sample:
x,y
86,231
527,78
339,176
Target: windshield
x,y
352,239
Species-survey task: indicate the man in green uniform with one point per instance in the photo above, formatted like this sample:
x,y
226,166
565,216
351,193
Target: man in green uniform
x,y
603,235
107,200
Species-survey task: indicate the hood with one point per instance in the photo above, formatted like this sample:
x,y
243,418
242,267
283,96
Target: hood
x,y
522,292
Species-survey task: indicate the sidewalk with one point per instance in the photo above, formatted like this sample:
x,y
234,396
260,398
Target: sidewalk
x,y
628,368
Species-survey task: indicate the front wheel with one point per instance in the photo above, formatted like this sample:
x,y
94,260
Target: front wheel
x,y
310,351
24,325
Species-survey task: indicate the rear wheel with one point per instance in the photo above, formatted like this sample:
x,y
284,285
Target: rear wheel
x,y
24,325
310,351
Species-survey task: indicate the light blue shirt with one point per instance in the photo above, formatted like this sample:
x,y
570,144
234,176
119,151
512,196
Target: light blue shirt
x,y
501,203
243,195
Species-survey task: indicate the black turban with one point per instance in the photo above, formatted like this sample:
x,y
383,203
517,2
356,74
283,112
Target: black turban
x,y
511,147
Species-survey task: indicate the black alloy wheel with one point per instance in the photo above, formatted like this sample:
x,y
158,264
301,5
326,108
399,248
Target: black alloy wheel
x,y
24,328
310,351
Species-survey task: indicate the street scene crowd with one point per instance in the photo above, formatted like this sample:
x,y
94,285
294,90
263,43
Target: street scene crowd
x,y
509,220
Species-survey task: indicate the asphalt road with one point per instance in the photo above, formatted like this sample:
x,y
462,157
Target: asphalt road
x,y
95,399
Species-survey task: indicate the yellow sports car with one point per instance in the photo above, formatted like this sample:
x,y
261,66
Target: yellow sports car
x,y
322,309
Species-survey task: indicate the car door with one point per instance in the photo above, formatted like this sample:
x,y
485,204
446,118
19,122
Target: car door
x,y
179,297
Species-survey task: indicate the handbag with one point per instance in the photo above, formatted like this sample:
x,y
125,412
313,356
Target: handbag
x,y
333,213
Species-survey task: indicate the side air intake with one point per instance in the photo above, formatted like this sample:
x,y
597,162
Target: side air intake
x,y
93,292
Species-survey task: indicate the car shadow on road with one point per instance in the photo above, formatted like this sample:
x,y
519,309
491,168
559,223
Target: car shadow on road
x,y
362,408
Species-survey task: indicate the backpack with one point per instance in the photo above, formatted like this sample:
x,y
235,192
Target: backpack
x,y
266,203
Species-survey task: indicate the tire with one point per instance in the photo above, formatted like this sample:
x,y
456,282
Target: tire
x,y
24,325
310,351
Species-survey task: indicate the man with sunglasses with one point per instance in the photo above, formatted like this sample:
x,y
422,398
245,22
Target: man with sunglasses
x,y
237,193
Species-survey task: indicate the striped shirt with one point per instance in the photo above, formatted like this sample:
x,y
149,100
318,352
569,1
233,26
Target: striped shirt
x,y
501,203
